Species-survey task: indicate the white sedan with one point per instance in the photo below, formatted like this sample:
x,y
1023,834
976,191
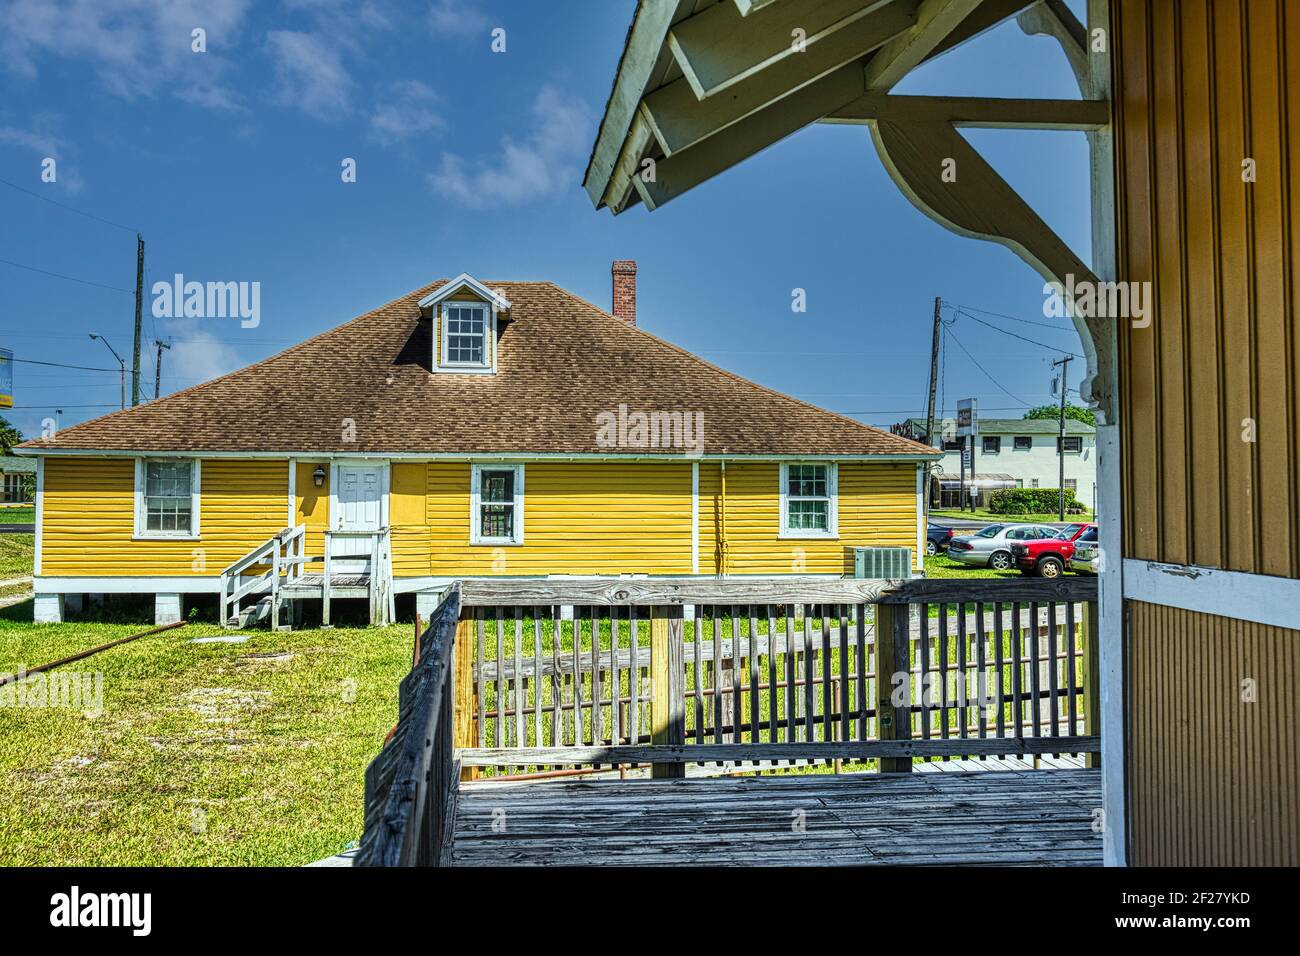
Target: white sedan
x,y
990,547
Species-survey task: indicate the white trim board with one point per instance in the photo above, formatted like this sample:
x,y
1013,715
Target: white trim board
x,y
324,456
40,513
1259,598
695,517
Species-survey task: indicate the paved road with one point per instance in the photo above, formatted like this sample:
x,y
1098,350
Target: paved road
x,y
17,528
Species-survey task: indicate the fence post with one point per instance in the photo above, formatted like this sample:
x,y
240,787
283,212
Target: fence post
x,y
464,727
1091,682
893,722
668,707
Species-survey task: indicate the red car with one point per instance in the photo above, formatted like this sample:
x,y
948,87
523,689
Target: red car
x,y
1048,557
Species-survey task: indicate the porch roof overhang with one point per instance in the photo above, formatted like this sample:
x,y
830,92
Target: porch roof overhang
x,y
704,84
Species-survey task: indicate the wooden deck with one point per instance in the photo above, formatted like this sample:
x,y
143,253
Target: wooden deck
x,y
1014,817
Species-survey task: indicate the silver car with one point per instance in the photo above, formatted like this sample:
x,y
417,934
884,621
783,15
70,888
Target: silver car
x,y
1086,558
990,547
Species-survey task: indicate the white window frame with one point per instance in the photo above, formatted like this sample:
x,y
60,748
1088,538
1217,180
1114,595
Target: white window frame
x,y
141,530
832,497
488,364
1027,439
475,493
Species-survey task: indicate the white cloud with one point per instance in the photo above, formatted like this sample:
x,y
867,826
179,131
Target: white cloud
x,y
44,143
138,48
543,162
406,111
457,18
310,74
196,356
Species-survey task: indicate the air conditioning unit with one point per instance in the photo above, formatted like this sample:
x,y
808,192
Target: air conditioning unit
x,y
889,563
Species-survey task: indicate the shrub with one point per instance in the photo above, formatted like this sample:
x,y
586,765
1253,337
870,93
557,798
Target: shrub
x,y
1025,501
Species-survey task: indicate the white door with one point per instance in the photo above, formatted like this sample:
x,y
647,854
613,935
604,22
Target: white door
x,y
359,496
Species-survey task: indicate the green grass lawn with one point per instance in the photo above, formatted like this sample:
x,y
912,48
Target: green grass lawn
x,y
985,515
942,566
204,754
16,553
19,514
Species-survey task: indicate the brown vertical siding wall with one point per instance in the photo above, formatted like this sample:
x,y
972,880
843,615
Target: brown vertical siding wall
x,y
1201,86
1214,780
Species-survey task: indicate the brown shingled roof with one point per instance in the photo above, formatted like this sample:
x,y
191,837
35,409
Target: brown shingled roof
x,y
561,361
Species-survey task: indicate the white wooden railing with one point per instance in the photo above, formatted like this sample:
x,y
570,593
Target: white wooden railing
x,y
282,555
375,549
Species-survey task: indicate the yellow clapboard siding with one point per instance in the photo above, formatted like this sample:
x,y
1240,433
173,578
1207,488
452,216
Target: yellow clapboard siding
x,y
579,518
312,505
877,507
89,513
407,517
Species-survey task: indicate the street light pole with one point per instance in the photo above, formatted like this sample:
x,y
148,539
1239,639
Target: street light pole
x,y
121,364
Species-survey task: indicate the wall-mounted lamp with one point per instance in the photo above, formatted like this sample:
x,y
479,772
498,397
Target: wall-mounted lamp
x,y
318,476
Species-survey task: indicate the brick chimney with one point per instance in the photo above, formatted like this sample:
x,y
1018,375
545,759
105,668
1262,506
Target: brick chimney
x,y
624,274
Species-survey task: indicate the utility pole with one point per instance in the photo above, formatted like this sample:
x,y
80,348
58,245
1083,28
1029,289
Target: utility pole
x,y
1060,438
934,384
157,367
139,308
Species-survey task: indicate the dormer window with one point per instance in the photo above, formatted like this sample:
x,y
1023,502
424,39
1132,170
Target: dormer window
x,y
465,314
464,334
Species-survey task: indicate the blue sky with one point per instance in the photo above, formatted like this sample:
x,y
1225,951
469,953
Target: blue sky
x,y
228,162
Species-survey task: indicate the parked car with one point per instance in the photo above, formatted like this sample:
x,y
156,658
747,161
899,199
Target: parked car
x,y
1049,557
990,547
937,538
1087,553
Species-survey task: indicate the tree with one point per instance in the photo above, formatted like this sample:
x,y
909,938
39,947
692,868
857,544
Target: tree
x,y
1077,412
9,436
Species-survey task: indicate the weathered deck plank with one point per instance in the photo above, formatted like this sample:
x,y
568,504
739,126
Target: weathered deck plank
x,y
1013,817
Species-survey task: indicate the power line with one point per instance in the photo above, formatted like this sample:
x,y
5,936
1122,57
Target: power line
x,y
83,368
958,307
59,275
61,205
948,332
1041,345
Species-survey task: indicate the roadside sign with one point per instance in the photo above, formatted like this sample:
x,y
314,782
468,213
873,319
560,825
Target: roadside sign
x,y
6,378
967,419
967,453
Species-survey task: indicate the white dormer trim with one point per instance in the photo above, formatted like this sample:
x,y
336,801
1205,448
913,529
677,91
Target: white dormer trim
x,y
465,281
494,303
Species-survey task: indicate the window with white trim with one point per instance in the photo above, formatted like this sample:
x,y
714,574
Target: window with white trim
x,y
167,498
466,327
808,500
497,504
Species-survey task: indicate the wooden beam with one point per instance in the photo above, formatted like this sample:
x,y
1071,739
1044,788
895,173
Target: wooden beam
x,y
747,753
677,174
667,720
718,47
644,43
979,203
979,112
636,148
935,20
746,7
464,730
893,721
680,119
677,591
1091,627
983,18
1054,19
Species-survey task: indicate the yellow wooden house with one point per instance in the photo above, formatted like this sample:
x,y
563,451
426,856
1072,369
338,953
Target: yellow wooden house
x,y
465,429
